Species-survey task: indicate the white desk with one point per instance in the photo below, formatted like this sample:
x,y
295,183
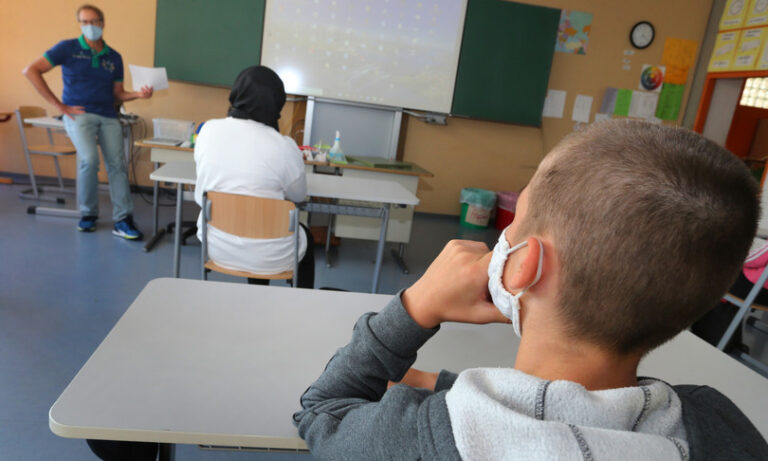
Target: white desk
x,y
324,186
225,364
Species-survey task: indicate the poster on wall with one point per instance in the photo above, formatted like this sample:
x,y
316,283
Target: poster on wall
x,y
670,100
651,78
573,32
723,52
678,57
749,48
762,61
757,14
733,15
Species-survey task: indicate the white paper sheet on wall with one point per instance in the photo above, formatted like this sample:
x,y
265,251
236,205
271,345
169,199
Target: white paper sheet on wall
x,y
156,77
581,108
554,104
643,105
600,117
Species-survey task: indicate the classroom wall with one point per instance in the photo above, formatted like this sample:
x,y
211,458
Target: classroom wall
x,y
465,153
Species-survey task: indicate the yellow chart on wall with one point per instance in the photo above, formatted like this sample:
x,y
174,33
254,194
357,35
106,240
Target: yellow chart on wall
x,y
757,15
723,52
734,14
762,61
749,48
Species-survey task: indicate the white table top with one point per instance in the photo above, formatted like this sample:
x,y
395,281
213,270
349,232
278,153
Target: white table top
x,y
318,185
45,122
225,364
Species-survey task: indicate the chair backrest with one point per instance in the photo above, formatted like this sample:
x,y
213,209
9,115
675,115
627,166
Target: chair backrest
x,y
29,112
250,217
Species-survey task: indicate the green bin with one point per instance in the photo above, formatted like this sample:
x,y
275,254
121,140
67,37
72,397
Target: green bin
x,y
476,207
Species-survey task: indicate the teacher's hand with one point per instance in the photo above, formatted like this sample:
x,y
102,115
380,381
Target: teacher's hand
x,y
454,288
70,111
146,92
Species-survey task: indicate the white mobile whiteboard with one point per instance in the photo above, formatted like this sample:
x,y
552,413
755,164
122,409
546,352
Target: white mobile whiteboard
x,y
398,53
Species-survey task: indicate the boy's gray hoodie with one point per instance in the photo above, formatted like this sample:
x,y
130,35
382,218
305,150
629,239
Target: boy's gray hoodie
x,y
497,413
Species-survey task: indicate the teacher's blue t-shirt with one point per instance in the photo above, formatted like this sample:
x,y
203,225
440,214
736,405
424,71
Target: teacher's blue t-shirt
x,y
89,77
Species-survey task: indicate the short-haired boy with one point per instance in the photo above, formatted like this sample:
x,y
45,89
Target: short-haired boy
x,y
626,234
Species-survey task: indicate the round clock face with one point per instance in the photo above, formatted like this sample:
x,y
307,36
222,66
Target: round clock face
x,y
642,35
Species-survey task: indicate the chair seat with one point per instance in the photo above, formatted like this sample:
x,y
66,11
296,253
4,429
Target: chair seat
x,y
753,306
51,149
281,276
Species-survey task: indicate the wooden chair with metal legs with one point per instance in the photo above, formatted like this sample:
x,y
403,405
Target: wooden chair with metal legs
x,y
249,217
51,150
747,305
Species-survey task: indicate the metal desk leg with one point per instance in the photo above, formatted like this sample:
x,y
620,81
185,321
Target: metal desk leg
x,y
167,452
157,234
331,222
177,230
397,255
380,249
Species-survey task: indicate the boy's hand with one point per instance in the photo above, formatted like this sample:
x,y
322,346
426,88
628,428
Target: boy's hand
x,y
454,288
417,378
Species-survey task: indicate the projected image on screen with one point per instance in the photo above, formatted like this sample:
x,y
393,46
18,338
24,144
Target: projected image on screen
x,y
389,52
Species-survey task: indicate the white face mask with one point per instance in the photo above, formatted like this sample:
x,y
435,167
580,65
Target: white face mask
x,y
91,32
506,302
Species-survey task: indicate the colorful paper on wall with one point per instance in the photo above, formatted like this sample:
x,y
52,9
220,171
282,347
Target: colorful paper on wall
x,y
573,32
651,78
723,52
757,14
670,100
623,100
608,104
749,48
734,14
679,55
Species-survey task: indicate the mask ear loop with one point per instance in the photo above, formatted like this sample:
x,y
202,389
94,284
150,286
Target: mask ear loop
x,y
516,322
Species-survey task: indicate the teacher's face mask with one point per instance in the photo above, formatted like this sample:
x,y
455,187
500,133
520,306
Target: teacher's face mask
x,y
506,302
91,32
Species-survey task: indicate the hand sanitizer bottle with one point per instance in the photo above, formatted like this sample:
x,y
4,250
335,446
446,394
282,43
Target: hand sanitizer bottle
x,y
335,155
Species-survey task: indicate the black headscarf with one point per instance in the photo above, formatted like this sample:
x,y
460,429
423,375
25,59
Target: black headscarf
x,y
257,94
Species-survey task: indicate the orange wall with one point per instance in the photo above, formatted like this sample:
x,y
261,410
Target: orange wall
x,y
465,153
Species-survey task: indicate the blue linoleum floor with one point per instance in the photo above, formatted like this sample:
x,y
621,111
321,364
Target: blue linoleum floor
x,y
61,291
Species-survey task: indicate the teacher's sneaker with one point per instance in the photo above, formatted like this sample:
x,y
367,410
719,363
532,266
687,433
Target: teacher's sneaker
x,y
127,230
87,224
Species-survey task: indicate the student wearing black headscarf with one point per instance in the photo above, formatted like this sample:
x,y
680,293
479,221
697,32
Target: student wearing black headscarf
x,y
246,154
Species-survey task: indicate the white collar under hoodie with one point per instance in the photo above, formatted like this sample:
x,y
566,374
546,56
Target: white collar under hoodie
x,y
505,414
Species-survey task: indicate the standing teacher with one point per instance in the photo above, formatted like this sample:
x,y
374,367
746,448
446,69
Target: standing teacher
x,y
93,84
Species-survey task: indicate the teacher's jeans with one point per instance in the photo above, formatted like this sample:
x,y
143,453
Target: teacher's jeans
x,y
86,131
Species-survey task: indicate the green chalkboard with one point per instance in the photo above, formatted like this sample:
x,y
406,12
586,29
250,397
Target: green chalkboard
x,y
205,41
506,55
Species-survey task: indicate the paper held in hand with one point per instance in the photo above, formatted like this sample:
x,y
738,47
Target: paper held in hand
x,y
156,77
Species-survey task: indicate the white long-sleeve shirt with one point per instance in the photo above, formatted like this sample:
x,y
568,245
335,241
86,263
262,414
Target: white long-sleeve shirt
x,y
246,157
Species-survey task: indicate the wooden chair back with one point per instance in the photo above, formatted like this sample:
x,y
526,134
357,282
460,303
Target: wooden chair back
x,y
29,112
250,217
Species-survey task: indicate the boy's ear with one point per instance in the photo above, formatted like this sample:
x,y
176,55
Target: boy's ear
x,y
517,278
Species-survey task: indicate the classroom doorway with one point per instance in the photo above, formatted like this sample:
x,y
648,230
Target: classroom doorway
x,y
734,113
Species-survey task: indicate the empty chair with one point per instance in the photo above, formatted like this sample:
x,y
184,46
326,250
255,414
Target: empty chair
x,y
249,217
52,150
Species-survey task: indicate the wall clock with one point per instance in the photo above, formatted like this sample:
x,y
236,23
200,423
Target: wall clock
x,y
642,34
